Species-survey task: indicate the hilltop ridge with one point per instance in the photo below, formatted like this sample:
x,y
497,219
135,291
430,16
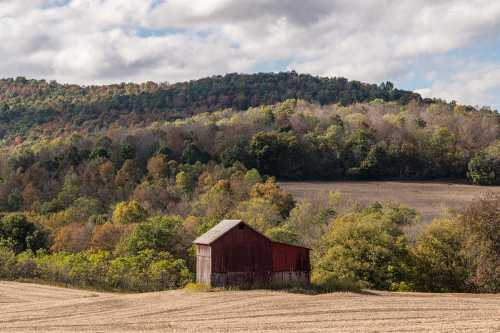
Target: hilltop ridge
x,y
26,104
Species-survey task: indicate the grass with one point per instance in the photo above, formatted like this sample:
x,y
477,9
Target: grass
x,y
317,287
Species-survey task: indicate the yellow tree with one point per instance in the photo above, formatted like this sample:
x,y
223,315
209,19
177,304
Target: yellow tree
x,y
129,212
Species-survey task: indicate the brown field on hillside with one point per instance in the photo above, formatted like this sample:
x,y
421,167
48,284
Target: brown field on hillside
x,y
39,308
430,199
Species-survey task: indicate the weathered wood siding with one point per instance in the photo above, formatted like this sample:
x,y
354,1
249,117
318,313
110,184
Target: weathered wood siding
x,y
241,256
291,265
203,264
284,279
289,258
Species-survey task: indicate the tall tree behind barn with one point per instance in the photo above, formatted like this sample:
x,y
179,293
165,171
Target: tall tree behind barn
x,y
234,254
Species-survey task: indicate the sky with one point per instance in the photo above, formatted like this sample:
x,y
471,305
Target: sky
x,y
448,49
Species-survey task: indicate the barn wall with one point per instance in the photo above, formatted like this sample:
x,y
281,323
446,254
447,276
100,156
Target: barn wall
x,y
242,279
203,264
289,258
283,279
241,256
244,257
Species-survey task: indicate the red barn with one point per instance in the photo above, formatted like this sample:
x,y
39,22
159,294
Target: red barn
x,y
233,253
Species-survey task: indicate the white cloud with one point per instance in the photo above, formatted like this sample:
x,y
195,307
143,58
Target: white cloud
x,y
476,86
96,41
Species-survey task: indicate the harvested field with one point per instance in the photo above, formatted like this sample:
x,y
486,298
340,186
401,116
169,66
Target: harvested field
x,y
38,308
430,199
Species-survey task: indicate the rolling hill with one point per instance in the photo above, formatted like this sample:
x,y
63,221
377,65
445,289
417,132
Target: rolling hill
x,y
25,104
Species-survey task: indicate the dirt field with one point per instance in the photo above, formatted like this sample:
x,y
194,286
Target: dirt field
x,y
38,308
429,198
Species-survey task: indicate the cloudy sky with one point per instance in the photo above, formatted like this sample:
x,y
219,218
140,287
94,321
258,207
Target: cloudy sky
x,y
441,48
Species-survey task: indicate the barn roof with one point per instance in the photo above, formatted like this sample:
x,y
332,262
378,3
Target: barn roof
x,y
213,234
224,226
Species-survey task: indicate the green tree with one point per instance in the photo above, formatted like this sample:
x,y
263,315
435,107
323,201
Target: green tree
x,y
14,201
366,247
252,177
70,190
484,168
128,176
184,181
445,156
259,213
440,263
214,205
21,234
192,154
238,151
127,212
127,152
377,163
357,148
159,233
283,233
277,154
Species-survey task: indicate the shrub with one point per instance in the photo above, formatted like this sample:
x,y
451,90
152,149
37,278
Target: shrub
x,y
7,262
147,271
481,221
328,282
26,267
366,247
440,262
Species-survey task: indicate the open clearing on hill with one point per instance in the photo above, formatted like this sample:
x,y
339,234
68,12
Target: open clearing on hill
x,y
429,198
40,308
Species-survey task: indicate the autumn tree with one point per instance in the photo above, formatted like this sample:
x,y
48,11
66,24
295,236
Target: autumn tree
x,y
127,212
271,192
157,166
128,176
73,237
106,236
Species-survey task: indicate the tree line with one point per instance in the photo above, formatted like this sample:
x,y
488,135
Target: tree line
x,y
38,106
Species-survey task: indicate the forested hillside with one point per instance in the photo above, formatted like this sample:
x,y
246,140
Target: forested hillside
x,y
107,186
290,140
52,106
